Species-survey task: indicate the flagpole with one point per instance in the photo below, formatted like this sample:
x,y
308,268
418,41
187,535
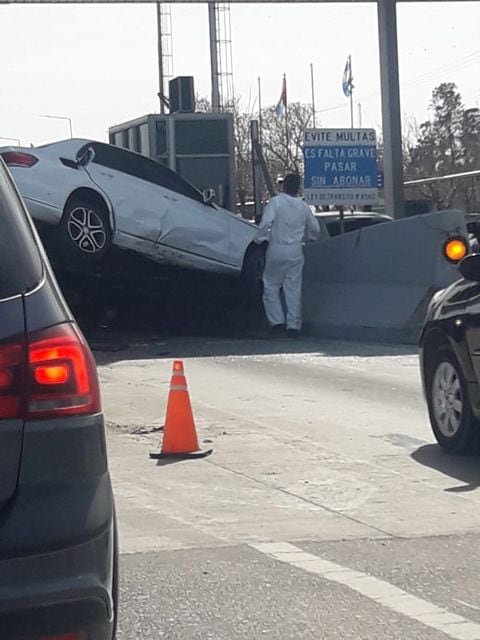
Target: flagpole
x,y
287,136
313,94
260,110
351,92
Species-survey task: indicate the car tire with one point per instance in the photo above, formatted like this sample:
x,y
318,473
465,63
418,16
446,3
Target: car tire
x,y
83,234
253,268
455,427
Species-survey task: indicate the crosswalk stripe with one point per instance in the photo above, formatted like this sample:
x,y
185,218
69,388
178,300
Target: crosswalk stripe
x,y
376,589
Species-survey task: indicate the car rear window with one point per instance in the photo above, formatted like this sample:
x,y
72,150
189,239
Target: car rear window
x,y
20,261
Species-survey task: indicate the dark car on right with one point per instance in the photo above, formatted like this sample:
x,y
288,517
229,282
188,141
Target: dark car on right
x,y
450,361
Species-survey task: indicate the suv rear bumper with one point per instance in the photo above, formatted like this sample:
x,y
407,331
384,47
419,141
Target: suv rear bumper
x,y
69,590
58,553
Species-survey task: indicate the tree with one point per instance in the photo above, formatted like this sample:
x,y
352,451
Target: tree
x,y
447,143
284,150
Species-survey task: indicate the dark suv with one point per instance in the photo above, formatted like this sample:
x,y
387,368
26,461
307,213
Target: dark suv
x,y
58,543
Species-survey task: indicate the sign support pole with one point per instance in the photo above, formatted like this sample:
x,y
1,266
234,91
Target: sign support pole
x,y
391,115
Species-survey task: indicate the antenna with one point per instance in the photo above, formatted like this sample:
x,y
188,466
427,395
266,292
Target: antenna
x,y
165,51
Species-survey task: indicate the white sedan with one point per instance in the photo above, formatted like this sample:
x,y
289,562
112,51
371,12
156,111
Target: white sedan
x,y
94,195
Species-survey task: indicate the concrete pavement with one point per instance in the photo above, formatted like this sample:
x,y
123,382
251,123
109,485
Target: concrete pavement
x,y
325,446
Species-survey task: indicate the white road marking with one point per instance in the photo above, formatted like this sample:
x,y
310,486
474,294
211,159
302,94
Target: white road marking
x,y
375,589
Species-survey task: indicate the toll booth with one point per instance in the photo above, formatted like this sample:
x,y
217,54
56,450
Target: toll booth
x,y
198,146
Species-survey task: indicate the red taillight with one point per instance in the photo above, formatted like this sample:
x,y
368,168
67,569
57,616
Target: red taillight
x,y
53,374
62,374
19,159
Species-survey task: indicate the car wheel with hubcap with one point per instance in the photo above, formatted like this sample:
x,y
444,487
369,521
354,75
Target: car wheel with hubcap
x,y
84,232
454,425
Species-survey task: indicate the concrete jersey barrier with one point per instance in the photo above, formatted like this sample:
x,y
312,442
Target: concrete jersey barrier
x,y
376,283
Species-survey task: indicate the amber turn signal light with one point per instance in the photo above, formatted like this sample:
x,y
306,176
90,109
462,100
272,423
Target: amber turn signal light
x,y
455,249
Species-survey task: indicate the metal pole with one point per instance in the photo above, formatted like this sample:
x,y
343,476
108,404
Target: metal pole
x,y
391,115
287,131
351,92
66,118
212,20
161,76
257,171
359,115
313,95
260,110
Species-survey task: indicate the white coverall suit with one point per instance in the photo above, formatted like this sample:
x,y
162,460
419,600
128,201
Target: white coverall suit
x,y
286,224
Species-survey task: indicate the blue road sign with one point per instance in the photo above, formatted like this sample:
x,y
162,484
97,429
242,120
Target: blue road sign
x,y
340,167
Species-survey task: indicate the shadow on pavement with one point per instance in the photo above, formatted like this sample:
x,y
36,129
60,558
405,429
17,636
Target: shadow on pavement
x,y
466,469
148,347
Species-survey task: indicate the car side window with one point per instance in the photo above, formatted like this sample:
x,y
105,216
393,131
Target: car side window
x,y
165,177
141,167
113,158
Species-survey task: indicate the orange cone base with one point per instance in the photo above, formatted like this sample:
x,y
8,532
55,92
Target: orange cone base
x,y
181,456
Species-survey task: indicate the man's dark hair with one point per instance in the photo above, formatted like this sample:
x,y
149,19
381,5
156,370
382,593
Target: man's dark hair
x,y
291,184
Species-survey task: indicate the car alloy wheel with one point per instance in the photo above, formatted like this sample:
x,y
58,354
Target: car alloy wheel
x,y
447,399
87,230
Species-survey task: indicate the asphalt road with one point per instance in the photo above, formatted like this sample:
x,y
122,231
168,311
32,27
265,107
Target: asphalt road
x,y
325,511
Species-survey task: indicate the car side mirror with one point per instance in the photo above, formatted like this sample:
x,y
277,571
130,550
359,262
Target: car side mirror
x,y
470,267
209,196
85,157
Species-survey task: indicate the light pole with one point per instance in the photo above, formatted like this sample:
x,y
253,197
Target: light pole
x,y
17,140
61,118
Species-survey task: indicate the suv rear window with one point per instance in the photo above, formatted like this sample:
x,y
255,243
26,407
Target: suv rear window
x,y
20,262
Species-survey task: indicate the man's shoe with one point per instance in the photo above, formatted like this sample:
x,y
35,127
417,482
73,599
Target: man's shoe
x,y
278,330
293,333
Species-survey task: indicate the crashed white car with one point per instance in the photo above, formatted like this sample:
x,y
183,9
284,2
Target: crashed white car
x,y
95,195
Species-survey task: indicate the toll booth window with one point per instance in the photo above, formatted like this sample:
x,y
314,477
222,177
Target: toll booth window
x,y
204,137
144,139
161,137
133,139
118,139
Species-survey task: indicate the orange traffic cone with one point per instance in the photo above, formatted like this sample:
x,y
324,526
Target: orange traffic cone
x,y
179,436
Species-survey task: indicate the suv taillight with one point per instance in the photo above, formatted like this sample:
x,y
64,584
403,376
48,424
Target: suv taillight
x,y
19,159
52,374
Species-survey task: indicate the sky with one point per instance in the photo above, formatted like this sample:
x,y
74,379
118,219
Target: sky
x,y
98,64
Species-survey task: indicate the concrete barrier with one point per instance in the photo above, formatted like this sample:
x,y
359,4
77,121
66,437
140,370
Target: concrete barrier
x,y
376,283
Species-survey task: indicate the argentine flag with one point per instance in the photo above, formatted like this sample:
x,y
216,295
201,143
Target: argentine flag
x,y
347,82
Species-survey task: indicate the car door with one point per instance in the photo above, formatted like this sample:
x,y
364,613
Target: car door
x,y
138,204
200,233
472,323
